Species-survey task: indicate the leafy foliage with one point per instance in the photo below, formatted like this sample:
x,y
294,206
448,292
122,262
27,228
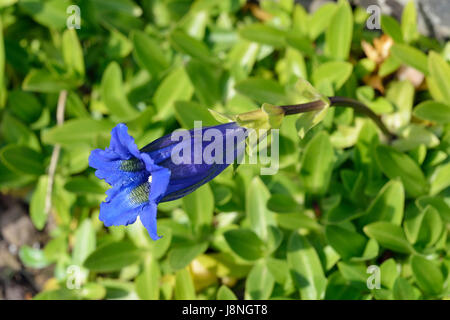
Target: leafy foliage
x,y
343,199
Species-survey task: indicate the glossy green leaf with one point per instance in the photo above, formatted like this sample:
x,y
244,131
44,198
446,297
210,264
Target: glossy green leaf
x,y
338,36
389,236
37,203
262,90
390,26
427,275
388,204
315,174
346,242
73,53
395,164
225,293
336,72
186,44
22,159
113,256
409,22
148,54
305,267
410,56
176,86
180,257
245,243
147,283
440,179
113,93
260,282
433,111
184,286
440,73
199,206
403,290
263,34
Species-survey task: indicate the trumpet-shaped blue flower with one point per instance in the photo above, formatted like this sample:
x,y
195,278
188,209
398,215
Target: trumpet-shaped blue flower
x,y
140,179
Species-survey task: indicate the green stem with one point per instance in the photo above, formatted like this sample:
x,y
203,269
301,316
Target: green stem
x,y
339,102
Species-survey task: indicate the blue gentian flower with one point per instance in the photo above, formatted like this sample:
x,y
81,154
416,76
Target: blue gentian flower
x,y
140,179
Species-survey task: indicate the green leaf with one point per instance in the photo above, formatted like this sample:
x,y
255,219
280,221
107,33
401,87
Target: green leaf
x,y
225,293
255,206
33,258
245,243
50,13
403,290
282,203
391,27
433,111
262,90
431,228
181,256
259,283
18,133
24,105
410,56
320,19
85,242
438,203
428,276
396,164
37,203
336,72
72,53
92,291
263,34
77,131
199,206
346,242
191,46
355,273
305,267
401,94
338,36
176,86
315,174
389,236
113,256
389,273
147,283
440,180
205,80
184,285
113,94
148,54
187,112
409,22
22,159
43,81
388,204
83,185
440,73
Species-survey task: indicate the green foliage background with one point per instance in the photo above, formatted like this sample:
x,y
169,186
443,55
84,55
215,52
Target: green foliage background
x,y
344,198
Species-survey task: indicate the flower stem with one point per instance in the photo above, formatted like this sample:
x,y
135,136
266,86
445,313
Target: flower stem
x,y
339,102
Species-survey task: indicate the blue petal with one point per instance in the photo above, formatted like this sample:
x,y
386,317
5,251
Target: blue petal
x,y
148,219
109,162
123,204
